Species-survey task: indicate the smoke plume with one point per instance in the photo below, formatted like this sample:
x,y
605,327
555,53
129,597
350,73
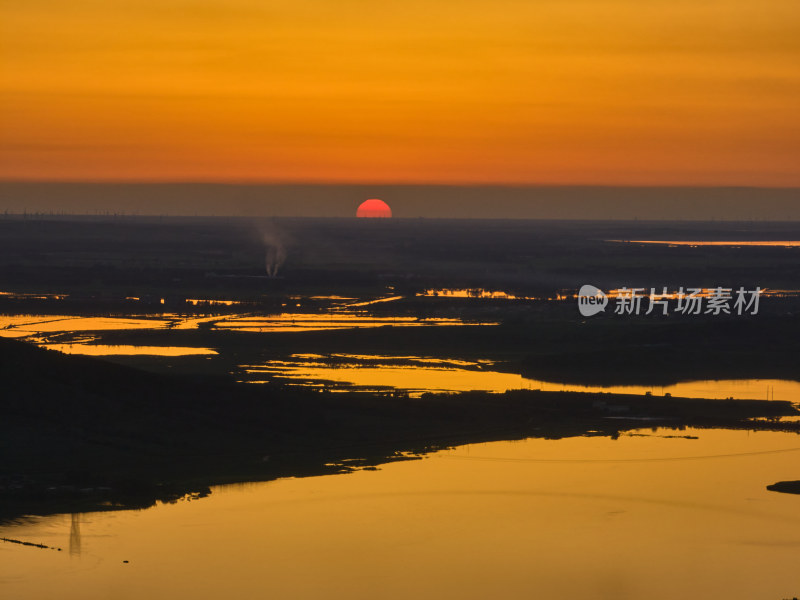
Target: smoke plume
x,y
274,248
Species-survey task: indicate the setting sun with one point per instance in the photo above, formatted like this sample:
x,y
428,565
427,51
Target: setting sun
x,y
374,208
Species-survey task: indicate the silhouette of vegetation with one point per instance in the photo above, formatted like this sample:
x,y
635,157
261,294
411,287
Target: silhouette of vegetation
x,y
84,434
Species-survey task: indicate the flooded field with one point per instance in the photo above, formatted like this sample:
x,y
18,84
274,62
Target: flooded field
x,y
299,313
58,332
416,375
655,514
88,349
323,322
407,374
20,326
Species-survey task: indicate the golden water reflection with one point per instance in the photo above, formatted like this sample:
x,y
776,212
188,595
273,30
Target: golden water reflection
x,y
39,328
421,374
696,292
319,322
374,301
785,244
211,302
123,350
26,325
643,516
471,293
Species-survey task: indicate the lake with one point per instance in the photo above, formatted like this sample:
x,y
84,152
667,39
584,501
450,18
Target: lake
x,y
657,514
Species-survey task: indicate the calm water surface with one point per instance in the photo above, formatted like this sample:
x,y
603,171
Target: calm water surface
x,y
643,516
737,243
432,374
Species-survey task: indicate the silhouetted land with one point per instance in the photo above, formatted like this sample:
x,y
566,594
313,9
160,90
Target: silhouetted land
x,y
82,434
102,258
96,263
786,487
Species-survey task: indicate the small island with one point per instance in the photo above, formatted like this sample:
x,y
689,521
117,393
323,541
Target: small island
x,y
785,487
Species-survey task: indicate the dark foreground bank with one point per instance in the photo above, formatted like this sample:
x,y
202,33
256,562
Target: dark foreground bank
x,y
80,434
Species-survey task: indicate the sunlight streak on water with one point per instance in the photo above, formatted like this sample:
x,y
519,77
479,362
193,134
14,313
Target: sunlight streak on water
x,y
695,243
417,375
478,293
321,322
124,350
24,325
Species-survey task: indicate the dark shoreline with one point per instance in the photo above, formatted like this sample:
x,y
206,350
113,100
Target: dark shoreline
x,y
85,435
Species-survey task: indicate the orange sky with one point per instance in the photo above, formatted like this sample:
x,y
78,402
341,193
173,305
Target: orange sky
x,y
501,91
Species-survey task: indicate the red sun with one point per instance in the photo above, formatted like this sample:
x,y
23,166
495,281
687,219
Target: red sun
x,y
373,208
